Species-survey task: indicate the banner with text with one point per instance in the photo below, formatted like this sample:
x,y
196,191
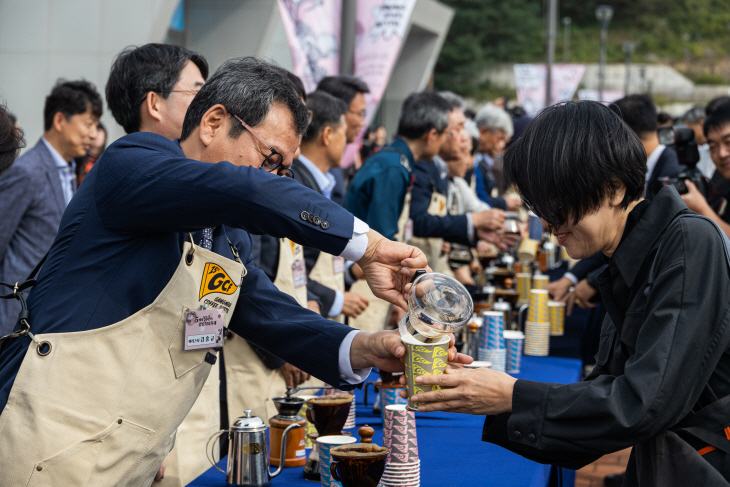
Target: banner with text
x,y
313,31
381,26
530,80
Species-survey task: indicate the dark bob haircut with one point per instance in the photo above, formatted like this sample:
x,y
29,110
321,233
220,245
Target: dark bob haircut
x,y
138,70
343,87
71,98
717,119
326,111
11,139
571,158
422,112
247,87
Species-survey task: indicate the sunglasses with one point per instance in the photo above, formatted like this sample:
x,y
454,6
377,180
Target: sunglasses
x,y
273,160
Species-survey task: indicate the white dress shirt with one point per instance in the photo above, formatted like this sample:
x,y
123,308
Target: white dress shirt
x,y
66,171
652,160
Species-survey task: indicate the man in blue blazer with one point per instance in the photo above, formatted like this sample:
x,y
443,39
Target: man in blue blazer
x,y
120,238
34,192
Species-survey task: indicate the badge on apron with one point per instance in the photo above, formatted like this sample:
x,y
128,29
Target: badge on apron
x,y
339,264
203,329
299,271
408,234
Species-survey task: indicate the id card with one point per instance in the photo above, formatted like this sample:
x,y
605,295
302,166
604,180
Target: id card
x,y
299,270
339,264
408,230
203,329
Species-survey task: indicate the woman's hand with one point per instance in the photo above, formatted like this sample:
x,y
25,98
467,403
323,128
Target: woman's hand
x,y
469,391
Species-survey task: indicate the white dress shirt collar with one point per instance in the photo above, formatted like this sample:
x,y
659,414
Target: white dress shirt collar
x,y
652,160
325,181
66,171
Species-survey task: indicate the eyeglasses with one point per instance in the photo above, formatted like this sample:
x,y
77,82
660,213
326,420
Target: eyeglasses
x,y
530,207
285,172
273,160
361,114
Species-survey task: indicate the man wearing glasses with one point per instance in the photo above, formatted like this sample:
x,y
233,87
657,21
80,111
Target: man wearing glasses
x,y
126,285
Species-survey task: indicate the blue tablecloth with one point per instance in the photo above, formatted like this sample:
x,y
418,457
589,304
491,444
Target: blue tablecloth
x,y
450,446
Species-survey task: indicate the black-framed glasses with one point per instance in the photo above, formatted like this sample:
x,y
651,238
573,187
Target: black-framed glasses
x,y
273,160
285,172
531,207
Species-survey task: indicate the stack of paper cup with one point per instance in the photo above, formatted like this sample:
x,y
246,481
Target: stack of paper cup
x,y
491,347
537,338
403,465
557,318
325,458
539,281
524,284
513,341
527,250
497,357
350,423
538,310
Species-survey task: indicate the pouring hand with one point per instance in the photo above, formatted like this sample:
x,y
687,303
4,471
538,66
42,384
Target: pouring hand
x,y
388,267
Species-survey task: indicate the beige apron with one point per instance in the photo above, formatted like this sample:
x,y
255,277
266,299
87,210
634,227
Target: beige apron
x,y
324,273
101,409
249,383
431,246
375,317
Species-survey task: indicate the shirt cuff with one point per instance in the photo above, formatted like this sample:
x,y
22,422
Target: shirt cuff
x,y
469,227
572,277
337,304
358,244
348,375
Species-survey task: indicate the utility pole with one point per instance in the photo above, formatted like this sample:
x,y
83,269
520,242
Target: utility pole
x,y
628,48
604,13
552,27
566,39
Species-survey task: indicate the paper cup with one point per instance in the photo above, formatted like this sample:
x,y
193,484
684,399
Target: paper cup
x,y
556,312
524,284
400,430
350,423
478,364
537,339
424,359
538,308
527,250
539,282
497,358
326,443
493,329
514,341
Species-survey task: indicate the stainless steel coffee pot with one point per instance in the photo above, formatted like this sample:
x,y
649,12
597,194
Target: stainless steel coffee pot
x,y
248,452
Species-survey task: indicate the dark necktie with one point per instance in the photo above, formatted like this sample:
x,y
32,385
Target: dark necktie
x,y
206,241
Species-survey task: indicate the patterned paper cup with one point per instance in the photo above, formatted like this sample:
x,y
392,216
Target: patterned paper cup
x,y
401,432
389,395
493,329
326,443
538,310
527,250
514,341
424,359
524,284
539,282
556,311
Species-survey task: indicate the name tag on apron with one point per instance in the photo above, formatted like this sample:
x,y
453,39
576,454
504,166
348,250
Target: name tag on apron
x,y
203,329
299,270
339,264
408,234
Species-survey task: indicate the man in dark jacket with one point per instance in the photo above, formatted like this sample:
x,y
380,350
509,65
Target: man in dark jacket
x,y
662,378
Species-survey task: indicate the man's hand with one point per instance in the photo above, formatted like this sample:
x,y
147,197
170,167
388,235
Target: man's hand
x,y
488,219
694,200
559,289
581,296
314,306
161,472
513,201
356,272
354,304
292,375
385,351
463,275
504,242
388,267
481,392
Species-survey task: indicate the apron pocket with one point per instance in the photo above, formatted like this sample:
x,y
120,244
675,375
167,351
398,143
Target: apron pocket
x,y
106,458
184,361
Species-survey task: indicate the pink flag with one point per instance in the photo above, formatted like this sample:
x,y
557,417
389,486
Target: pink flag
x,y
313,31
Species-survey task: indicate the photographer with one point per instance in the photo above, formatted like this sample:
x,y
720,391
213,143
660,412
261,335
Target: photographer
x,y
715,207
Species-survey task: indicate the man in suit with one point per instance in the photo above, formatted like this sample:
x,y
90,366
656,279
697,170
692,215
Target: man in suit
x,y
34,192
322,147
119,248
639,113
351,90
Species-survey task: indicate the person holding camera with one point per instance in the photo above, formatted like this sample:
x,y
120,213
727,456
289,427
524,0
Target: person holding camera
x,y
715,206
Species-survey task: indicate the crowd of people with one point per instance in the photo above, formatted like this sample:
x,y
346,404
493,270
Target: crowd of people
x,y
309,290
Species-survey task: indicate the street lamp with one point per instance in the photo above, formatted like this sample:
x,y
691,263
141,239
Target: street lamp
x,y
566,40
628,48
604,14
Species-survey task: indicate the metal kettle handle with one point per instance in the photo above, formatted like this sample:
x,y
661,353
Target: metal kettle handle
x,y
365,390
282,459
208,452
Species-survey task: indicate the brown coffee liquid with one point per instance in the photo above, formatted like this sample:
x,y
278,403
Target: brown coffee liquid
x,y
311,470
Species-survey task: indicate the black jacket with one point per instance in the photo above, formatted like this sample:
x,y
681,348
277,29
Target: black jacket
x,y
663,357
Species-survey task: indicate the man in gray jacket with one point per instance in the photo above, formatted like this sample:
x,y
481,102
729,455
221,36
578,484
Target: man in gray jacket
x,y
34,192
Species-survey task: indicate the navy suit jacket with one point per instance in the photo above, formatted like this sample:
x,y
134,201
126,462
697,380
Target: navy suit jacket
x,y
119,244
452,228
31,206
326,296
